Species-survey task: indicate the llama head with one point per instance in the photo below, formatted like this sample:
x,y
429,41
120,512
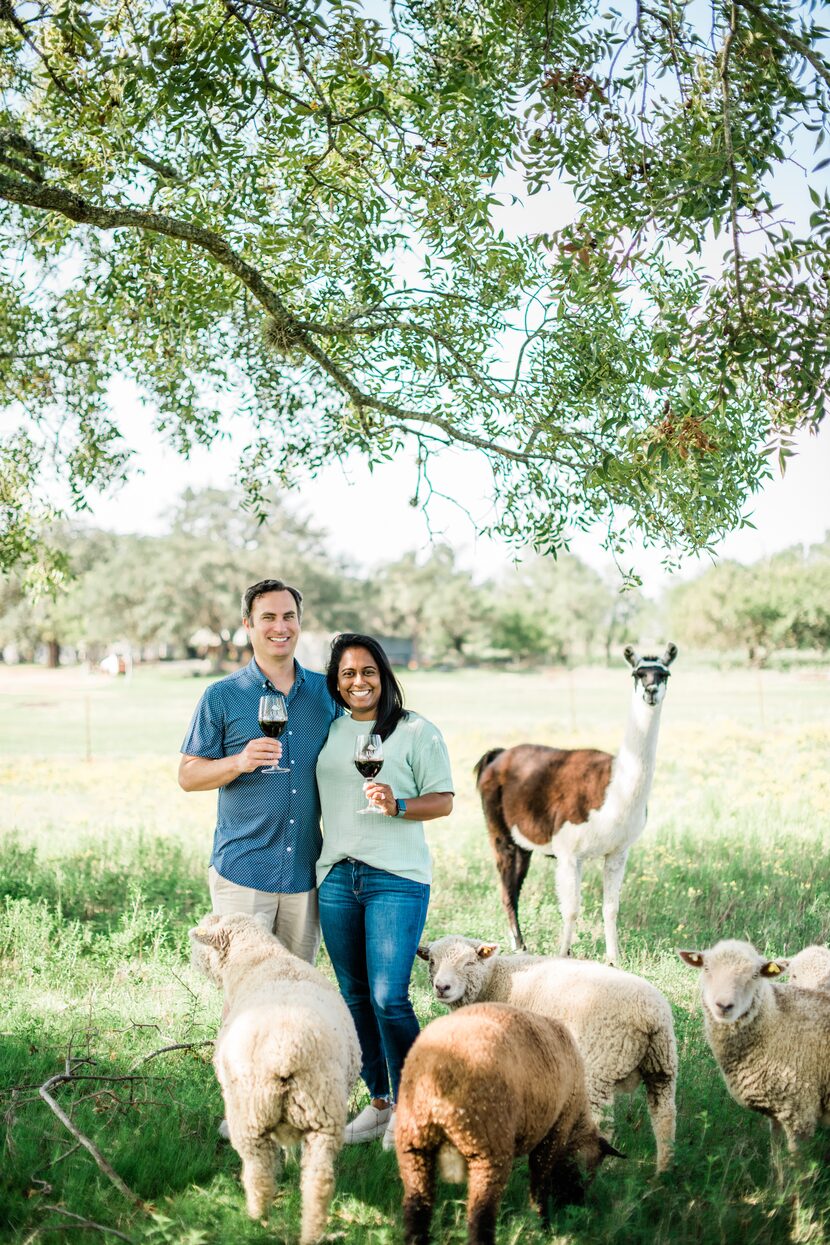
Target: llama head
x,y
651,674
458,967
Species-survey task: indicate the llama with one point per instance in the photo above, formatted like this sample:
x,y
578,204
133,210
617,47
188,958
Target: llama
x,y
575,804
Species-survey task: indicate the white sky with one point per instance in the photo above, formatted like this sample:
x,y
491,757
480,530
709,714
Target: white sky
x,y
369,519
368,516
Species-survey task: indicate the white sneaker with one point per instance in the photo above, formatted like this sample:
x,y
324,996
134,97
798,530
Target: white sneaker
x,y
388,1142
370,1124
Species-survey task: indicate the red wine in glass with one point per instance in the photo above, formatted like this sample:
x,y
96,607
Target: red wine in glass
x,y
273,718
368,759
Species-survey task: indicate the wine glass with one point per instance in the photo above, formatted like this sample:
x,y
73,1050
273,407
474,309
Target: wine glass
x,y
368,759
273,715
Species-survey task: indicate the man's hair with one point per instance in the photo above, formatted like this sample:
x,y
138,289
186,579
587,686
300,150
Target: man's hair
x,y
269,585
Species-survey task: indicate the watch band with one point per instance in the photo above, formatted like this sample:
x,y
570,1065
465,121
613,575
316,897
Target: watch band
x,y
401,808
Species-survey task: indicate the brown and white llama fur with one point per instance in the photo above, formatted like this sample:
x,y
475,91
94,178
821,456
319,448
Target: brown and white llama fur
x,y
575,804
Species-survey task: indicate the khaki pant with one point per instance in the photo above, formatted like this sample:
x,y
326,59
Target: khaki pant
x,y
293,918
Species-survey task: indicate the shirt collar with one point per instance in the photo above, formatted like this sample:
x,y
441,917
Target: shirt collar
x,y
255,675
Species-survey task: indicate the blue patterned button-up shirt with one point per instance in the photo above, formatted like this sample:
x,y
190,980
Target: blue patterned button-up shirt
x,y
267,832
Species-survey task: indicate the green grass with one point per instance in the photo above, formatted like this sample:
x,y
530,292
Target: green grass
x,y
103,868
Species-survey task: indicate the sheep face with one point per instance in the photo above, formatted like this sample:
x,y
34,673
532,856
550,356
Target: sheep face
x,y
732,973
458,967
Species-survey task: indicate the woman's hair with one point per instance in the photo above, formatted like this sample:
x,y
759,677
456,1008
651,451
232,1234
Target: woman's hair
x,y
390,706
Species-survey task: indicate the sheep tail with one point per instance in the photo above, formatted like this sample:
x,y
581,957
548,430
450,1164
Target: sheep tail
x,y
481,765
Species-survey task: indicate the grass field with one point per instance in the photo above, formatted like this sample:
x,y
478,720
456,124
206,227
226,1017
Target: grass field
x,y
103,868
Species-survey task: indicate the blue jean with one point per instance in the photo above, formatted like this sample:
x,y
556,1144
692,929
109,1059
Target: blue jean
x,y
372,921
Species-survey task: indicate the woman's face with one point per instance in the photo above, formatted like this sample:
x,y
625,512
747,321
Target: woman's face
x,y
359,683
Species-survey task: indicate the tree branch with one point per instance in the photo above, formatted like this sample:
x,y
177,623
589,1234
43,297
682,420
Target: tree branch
x,y
786,36
102,1163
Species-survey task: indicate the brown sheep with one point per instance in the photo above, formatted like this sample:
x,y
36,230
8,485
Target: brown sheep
x,y
480,1087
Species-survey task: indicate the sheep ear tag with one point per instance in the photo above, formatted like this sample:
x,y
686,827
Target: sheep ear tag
x,y
486,950
770,969
422,953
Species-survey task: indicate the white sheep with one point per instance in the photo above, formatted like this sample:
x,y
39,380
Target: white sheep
x,y
771,1040
621,1023
286,1057
810,969
479,1088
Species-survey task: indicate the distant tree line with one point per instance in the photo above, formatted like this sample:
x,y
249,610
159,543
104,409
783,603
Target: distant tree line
x,y
154,593
779,603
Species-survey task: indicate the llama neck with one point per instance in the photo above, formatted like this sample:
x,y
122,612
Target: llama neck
x,y
634,763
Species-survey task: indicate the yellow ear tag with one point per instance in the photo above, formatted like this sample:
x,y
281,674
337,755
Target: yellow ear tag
x,y
773,970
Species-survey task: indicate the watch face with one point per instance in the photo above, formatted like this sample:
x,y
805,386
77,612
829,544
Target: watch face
x,y
401,805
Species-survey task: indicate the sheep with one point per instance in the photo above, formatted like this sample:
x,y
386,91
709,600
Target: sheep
x,y
771,1040
478,1088
286,1058
621,1023
810,969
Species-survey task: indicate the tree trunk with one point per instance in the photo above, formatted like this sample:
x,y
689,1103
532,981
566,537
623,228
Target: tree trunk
x,y
54,654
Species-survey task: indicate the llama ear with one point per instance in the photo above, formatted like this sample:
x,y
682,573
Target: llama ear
x,y
486,950
693,958
630,655
670,654
774,968
423,952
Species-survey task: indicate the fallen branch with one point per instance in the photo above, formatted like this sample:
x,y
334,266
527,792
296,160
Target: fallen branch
x,y
175,1046
83,1223
102,1163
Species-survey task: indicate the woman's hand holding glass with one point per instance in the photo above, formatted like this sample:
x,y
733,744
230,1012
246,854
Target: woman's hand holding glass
x,y
381,797
368,759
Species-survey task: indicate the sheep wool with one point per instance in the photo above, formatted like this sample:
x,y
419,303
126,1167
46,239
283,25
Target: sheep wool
x,y
286,1058
810,969
621,1023
480,1087
771,1040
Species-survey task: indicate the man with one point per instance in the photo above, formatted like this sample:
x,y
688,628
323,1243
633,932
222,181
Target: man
x,y
267,836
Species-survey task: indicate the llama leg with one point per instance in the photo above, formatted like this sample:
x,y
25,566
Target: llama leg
x,y
260,1159
512,863
612,885
317,1184
568,883
486,1182
417,1169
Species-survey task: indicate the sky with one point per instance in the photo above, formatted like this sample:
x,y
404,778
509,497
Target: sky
x,y
369,519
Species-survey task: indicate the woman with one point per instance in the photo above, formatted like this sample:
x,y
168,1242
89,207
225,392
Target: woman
x,y
374,872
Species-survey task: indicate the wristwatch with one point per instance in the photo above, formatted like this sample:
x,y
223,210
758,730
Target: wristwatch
x,y
400,808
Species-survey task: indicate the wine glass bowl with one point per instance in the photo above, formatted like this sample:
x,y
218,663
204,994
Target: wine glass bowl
x,y
368,759
273,716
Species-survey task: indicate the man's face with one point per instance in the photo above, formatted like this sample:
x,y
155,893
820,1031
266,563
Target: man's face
x,y
273,626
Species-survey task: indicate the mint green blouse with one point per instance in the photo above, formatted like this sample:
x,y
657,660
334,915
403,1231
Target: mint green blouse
x,y
415,762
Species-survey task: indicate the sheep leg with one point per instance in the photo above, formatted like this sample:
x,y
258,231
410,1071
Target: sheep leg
x,y
568,885
486,1182
261,1157
316,1184
417,1168
661,1109
612,885
540,1167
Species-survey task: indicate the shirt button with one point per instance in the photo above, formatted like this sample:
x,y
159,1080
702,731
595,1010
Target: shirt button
x,y
293,790
291,732
288,849
291,823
